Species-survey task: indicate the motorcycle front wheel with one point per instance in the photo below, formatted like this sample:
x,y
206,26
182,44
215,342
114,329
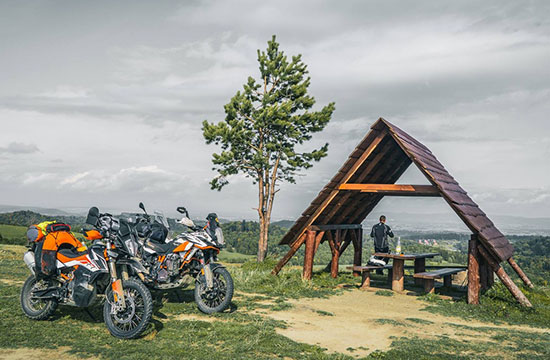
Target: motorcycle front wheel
x,y
36,309
218,298
131,321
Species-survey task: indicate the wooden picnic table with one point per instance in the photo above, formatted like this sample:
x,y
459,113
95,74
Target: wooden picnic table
x,y
397,283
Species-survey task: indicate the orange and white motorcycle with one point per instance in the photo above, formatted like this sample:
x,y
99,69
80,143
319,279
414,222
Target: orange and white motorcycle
x,y
80,275
173,263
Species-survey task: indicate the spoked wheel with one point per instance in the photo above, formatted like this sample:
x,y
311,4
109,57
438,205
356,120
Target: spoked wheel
x,y
36,309
129,322
219,296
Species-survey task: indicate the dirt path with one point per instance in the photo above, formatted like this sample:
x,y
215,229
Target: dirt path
x,y
359,322
12,282
26,353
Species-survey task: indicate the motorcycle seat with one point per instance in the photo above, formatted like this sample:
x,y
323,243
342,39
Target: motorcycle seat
x,y
71,253
162,248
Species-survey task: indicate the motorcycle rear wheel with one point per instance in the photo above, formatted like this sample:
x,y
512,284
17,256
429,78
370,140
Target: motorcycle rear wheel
x,y
36,309
219,297
134,319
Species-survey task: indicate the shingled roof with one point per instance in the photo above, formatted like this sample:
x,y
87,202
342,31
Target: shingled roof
x,y
381,158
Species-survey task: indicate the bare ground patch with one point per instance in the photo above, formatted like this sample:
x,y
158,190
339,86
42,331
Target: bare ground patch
x,y
12,282
361,322
27,353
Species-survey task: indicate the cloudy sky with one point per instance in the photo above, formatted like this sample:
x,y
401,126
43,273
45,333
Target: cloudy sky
x,y
101,102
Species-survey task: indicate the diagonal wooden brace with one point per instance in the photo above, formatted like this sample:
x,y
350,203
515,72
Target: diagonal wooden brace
x,y
520,273
504,278
293,248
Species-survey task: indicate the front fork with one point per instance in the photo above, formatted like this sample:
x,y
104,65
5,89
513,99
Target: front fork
x,y
116,286
208,274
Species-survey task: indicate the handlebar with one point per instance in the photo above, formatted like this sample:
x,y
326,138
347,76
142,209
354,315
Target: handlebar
x,y
182,210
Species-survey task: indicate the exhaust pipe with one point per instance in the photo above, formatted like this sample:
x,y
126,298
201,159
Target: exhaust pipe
x,y
29,260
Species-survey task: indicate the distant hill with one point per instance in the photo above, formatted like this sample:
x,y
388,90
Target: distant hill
x,y
36,209
27,217
283,223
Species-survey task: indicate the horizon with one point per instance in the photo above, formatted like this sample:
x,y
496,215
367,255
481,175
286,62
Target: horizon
x,y
407,222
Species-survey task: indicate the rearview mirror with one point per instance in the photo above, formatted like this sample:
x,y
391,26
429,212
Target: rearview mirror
x,y
93,216
142,207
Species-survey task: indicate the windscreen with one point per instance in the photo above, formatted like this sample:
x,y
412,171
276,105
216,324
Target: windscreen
x,y
161,219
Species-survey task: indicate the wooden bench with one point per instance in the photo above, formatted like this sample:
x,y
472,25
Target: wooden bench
x,y
365,273
430,276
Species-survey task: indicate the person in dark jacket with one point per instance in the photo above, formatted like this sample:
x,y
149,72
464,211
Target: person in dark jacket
x,y
380,233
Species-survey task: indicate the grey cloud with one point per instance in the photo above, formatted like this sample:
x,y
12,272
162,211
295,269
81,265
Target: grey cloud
x,y
15,148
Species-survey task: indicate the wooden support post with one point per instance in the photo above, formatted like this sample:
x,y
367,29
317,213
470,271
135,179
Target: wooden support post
x,y
473,271
293,248
308,256
365,283
318,240
419,266
390,276
447,281
398,283
356,237
335,254
504,278
343,247
335,260
429,286
520,273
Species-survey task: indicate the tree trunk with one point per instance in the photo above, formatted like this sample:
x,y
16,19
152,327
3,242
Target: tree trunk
x,y
262,244
266,196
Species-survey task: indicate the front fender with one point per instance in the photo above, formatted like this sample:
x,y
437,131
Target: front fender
x,y
216,265
135,265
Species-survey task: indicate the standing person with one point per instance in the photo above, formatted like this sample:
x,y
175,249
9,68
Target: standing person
x,y
379,234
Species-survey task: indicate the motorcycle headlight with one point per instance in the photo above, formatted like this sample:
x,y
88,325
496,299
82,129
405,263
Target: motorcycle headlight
x,y
115,225
132,249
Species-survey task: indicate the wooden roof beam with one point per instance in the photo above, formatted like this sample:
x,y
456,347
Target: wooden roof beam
x,y
394,189
334,227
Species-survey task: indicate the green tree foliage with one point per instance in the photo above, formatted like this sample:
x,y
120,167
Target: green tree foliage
x,y
532,253
264,129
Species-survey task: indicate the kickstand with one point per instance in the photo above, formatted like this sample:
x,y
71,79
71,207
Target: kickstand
x,y
90,314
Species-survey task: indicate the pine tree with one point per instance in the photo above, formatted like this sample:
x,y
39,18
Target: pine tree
x,y
263,125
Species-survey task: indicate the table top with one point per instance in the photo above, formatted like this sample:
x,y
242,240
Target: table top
x,y
406,256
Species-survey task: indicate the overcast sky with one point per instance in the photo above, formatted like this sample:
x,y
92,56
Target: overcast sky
x,y
101,102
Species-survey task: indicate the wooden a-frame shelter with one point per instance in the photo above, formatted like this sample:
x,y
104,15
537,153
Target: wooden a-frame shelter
x,y
368,175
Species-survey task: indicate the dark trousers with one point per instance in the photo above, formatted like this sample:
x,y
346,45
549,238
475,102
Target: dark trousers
x,y
384,250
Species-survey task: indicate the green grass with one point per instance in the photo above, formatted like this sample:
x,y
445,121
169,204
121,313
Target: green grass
x,y
498,306
384,293
12,234
324,313
257,278
501,343
179,330
392,322
13,231
234,257
419,321
239,334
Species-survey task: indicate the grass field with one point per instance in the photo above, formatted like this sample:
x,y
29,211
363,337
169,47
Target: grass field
x,y
13,231
233,257
179,330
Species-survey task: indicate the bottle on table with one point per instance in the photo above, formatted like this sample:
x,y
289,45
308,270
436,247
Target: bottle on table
x,y
398,246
